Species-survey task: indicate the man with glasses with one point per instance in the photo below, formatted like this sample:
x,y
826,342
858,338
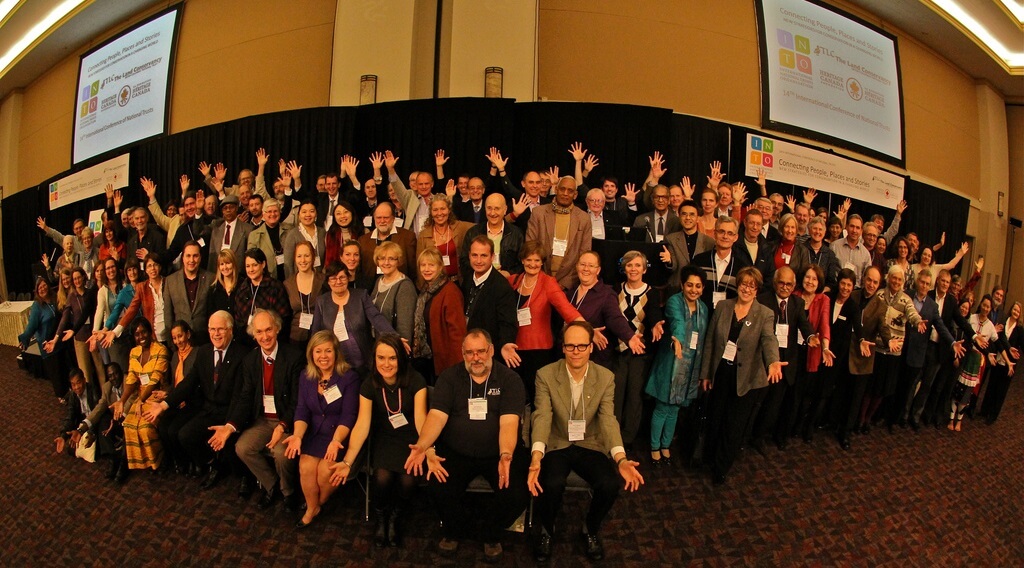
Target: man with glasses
x,y
756,250
654,226
681,246
386,230
574,430
563,229
603,221
475,416
721,265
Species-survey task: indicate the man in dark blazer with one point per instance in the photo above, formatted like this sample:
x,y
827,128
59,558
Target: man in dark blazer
x,y
574,430
512,238
229,233
654,226
265,410
79,403
790,319
682,246
216,379
754,248
185,293
721,264
146,238
473,210
490,299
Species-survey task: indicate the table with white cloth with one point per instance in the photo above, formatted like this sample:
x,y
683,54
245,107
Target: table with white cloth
x,y
13,319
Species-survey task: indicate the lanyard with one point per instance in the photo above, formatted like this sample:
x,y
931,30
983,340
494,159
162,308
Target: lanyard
x,y
255,291
384,395
572,400
486,381
714,268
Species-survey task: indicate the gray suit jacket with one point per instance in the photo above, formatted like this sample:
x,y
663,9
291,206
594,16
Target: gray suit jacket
x,y
756,347
580,239
676,244
176,302
550,424
646,224
239,242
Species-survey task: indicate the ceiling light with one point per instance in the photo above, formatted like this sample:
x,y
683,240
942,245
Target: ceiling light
x,y
1015,8
6,7
1010,58
41,27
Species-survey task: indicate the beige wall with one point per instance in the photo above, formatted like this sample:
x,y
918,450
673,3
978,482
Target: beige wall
x,y
235,58
701,58
1015,197
361,49
489,33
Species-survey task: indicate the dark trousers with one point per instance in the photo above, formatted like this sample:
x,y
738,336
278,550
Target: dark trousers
x,y
169,428
937,407
849,395
532,361
771,407
508,504
56,371
729,416
998,385
906,389
932,360
630,377
594,467
194,435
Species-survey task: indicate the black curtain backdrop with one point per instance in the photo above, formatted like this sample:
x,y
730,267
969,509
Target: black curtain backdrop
x,y
534,136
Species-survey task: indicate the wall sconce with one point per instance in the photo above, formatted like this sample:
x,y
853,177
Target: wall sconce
x,y
367,89
999,204
493,78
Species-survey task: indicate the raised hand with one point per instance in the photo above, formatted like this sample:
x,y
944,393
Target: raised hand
x,y
262,157
577,151
377,161
901,207
294,170
716,174
118,199
219,171
109,190
497,160
218,185
739,194
519,207
809,194
791,203
390,160
658,168
964,247
687,188
589,164
762,177
41,223
184,182
204,169
979,264
553,175
440,159
148,186
449,188
630,189
282,167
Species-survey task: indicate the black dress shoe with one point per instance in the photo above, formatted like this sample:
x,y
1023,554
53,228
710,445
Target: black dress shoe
x,y
212,479
595,550
246,487
195,471
112,470
267,499
122,472
294,503
542,548
844,443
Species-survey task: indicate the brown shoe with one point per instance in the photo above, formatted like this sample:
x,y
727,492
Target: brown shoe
x,y
447,546
492,551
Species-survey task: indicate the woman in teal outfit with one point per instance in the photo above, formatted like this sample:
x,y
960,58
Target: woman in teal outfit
x,y
674,381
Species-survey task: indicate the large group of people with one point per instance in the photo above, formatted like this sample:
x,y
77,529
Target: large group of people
x,y
298,335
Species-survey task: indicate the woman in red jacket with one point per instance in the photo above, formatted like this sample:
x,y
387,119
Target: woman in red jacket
x,y
536,294
819,314
439,322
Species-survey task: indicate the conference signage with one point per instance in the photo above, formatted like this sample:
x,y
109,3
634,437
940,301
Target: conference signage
x,y
89,182
826,72
806,167
122,89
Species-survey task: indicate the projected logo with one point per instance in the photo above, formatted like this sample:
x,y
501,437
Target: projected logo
x,y
854,89
90,99
761,152
124,95
53,192
794,51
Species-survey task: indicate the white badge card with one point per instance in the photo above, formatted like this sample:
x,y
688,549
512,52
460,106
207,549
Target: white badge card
x,y
782,334
850,266
368,221
693,339
659,238
249,321
305,321
786,257
397,420
478,409
730,352
799,337
558,247
841,318
380,270
279,259
269,406
447,260
316,261
577,429
598,232
201,242
332,394
717,297
143,379
523,314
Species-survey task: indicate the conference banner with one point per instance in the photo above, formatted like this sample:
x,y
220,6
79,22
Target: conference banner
x,y
806,167
89,182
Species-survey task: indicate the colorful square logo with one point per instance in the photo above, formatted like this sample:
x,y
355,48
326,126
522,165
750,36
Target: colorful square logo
x,y
787,59
85,93
53,191
84,109
768,146
767,160
785,38
94,89
93,103
755,158
803,45
803,64
755,143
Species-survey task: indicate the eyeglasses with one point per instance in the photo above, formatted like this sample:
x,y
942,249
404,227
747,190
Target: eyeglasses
x,y
726,233
570,347
786,284
660,197
748,286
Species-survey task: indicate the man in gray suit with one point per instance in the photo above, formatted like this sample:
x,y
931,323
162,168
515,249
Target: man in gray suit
x,y
679,247
653,227
185,293
230,233
574,430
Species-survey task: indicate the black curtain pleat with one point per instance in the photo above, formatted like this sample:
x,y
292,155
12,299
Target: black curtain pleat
x,y
534,136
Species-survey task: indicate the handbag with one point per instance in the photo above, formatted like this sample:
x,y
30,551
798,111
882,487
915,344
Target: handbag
x,y
86,453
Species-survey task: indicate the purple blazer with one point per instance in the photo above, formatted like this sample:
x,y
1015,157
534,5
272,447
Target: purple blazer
x,y
323,419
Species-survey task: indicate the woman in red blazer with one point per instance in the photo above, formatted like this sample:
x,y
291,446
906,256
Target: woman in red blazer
x,y
148,293
439,323
819,314
536,294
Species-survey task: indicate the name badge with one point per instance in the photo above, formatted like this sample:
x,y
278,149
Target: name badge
x,y
478,409
268,404
201,243
249,321
659,238
523,314
368,221
332,394
850,266
340,329
447,260
305,321
598,232
717,297
841,318
397,420
558,247
279,259
144,379
782,334
577,429
693,339
730,352
786,257
316,260
799,337
380,270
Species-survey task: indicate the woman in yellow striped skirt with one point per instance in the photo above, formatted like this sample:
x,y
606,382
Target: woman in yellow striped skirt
x,y
147,369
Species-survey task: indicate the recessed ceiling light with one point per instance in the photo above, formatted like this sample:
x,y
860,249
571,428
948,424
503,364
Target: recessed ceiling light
x,y
1016,8
1013,60
40,28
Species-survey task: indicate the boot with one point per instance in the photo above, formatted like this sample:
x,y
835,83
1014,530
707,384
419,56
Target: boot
x,y
394,539
115,461
380,536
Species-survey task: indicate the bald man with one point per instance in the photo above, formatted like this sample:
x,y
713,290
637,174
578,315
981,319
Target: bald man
x,y
507,238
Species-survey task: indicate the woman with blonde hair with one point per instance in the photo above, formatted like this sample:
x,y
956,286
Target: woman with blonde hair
x,y
393,294
225,284
439,322
326,411
303,288
444,233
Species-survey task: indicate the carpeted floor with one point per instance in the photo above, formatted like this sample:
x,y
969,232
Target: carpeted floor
x,y
926,499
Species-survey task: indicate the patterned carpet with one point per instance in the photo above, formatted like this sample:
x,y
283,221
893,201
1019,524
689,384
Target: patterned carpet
x,y
926,499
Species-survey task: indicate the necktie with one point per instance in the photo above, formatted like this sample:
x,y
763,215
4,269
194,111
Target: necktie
x,y
782,309
218,355
270,361
227,234
661,225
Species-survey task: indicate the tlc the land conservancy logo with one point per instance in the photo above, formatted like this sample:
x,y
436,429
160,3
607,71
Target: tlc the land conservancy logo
x,y
124,95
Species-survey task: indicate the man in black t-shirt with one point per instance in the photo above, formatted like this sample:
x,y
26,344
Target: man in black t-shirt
x,y
476,413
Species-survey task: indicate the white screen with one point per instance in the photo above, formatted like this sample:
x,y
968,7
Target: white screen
x,y
122,89
829,74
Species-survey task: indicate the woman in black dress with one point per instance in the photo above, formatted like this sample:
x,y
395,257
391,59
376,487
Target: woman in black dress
x,y
393,403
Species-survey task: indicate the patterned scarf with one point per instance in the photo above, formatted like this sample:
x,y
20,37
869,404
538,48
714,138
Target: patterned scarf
x,y
560,210
420,341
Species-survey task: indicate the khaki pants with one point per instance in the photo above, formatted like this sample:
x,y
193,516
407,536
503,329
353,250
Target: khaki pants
x,y
252,450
